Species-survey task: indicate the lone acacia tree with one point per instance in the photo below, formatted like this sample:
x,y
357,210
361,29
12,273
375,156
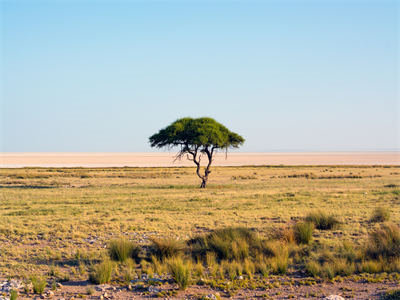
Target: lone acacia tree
x,y
197,137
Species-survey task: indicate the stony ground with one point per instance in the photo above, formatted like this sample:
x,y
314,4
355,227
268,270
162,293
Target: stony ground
x,y
145,288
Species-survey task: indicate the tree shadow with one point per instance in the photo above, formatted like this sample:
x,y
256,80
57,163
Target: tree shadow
x,y
27,187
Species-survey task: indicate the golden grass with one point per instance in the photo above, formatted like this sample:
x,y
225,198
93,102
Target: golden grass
x,y
65,216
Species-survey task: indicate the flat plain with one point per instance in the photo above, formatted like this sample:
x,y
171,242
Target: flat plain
x,y
56,223
166,159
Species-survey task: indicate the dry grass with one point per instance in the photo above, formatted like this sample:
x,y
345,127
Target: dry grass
x,y
164,248
322,220
180,271
122,249
64,217
380,214
102,272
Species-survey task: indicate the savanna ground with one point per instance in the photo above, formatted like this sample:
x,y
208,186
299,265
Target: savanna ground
x,y
56,225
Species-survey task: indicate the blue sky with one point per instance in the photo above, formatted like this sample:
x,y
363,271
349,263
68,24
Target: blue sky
x,y
287,75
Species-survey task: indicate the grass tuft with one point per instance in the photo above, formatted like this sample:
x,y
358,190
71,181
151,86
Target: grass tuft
x,y
180,271
380,214
232,243
371,266
322,221
384,242
38,284
303,232
102,272
166,248
279,264
122,249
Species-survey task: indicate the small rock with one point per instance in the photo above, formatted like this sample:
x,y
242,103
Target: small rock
x,y
59,285
153,289
334,297
50,294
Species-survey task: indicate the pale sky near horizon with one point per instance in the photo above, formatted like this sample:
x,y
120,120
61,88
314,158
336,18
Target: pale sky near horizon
x,y
287,75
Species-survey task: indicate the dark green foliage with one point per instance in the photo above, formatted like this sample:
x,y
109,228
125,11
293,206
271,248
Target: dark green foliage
x,y
322,220
166,248
384,242
201,132
228,243
122,249
303,232
391,295
380,214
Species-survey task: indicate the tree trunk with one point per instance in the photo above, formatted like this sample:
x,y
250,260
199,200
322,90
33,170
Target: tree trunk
x,y
207,171
203,182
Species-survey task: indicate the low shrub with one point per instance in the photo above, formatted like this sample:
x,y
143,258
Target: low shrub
x,y
322,220
393,265
313,268
102,272
127,271
384,242
228,243
263,268
279,264
380,214
198,270
343,268
303,232
180,271
166,248
348,251
249,268
38,284
328,265
232,269
327,271
371,266
158,266
122,249
287,235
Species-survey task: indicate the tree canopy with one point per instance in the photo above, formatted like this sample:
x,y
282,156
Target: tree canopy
x,y
201,132
196,137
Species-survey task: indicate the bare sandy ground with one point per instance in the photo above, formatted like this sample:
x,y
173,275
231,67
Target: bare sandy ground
x,y
166,159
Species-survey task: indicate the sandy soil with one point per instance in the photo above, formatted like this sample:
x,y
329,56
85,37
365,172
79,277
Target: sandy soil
x,y
346,289
166,159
